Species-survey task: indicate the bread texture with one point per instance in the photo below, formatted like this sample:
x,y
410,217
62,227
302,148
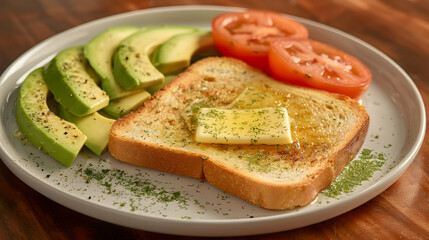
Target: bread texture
x,y
327,130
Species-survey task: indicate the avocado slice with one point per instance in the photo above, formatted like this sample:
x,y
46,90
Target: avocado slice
x,y
73,84
155,88
95,126
131,62
99,52
176,53
120,107
57,137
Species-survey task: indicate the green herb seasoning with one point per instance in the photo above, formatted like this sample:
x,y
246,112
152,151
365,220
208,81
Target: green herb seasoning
x,y
358,171
114,179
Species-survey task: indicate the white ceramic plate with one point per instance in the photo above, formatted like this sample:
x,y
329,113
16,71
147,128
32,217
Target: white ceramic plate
x,y
114,191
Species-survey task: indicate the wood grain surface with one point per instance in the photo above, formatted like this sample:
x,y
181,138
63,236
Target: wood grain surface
x,y
399,28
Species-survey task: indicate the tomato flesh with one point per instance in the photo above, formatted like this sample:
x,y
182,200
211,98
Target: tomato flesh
x,y
247,35
314,64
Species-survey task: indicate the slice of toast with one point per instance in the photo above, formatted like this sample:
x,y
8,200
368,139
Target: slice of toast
x,y
327,130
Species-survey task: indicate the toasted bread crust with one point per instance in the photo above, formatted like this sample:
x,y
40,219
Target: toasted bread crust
x,y
198,164
156,157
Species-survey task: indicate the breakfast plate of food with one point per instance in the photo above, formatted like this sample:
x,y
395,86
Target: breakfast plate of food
x,y
195,120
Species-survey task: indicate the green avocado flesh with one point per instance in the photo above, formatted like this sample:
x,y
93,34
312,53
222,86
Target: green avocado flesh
x,y
155,88
131,62
70,80
120,107
57,137
95,126
99,52
176,53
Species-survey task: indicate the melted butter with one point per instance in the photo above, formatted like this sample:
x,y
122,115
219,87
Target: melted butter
x,y
309,119
243,126
315,128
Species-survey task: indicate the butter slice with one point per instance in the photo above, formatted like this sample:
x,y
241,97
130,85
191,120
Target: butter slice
x,y
243,126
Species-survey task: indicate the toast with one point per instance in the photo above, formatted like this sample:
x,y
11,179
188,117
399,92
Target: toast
x,y
327,130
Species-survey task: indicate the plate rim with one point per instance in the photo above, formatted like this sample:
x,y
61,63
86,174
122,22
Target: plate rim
x,y
50,191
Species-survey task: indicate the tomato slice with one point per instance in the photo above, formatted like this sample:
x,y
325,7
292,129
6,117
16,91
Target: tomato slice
x,y
247,35
314,64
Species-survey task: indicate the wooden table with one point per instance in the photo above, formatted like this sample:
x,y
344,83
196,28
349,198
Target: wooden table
x,y
400,29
